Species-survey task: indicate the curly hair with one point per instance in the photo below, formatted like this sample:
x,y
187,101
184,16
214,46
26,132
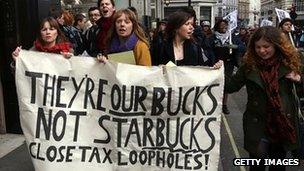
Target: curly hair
x,y
284,49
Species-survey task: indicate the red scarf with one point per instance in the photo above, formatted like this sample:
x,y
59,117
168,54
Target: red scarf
x,y
104,25
278,127
57,48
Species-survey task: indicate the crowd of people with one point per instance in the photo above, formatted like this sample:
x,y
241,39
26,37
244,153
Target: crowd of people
x,y
268,64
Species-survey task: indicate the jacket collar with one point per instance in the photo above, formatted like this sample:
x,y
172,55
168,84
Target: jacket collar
x,y
255,76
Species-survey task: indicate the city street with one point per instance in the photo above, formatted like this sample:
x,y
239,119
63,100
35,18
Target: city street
x,y
231,142
146,33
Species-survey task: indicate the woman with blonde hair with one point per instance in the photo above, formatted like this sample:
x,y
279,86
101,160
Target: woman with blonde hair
x,y
270,71
125,35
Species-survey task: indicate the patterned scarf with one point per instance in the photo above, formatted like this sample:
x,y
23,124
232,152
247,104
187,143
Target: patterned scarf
x,y
57,48
278,126
128,45
223,37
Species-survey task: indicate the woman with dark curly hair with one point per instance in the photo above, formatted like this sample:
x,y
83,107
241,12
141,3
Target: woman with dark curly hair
x,y
271,68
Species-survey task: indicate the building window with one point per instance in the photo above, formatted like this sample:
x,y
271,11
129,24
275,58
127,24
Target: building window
x,y
299,4
153,16
169,10
205,13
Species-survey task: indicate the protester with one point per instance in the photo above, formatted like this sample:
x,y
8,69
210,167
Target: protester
x,y
50,39
66,20
107,9
286,26
208,41
90,35
223,51
240,39
94,15
197,30
179,46
79,22
157,41
125,35
271,67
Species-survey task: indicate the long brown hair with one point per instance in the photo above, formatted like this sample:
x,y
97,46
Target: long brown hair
x,y
137,30
53,23
284,49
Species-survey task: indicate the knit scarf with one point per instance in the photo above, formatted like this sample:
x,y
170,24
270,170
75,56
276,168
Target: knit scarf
x,y
223,37
104,25
278,126
116,46
57,48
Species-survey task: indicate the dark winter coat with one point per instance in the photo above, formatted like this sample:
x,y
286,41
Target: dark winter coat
x,y
254,118
75,37
192,54
90,39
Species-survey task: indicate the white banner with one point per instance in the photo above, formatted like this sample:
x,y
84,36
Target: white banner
x,y
282,14
78,114
266,22
232,20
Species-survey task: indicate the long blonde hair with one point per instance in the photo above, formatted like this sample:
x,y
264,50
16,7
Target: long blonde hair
x,y
137,30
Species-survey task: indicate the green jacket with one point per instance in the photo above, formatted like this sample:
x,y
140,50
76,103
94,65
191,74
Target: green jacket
x,y
254,119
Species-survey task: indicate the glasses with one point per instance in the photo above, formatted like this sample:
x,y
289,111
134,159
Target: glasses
x,y
96,15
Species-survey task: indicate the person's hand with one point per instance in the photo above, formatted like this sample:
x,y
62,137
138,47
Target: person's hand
x,y
293,76
101,58
66,55
218,65
15,54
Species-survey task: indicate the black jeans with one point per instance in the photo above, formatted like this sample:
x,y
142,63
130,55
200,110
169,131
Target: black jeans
x,y
276,151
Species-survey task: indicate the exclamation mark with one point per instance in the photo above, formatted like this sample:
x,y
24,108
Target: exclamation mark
x,y
206,161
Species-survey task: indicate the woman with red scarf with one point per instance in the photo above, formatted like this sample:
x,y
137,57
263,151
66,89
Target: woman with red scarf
x,y
270,71
50,39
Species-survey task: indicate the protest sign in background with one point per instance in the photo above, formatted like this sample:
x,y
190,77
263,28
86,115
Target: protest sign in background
x,y
266,22
232,20
282,14
79,114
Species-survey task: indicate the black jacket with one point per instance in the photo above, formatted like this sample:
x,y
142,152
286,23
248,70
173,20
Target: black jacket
x,y
192,54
